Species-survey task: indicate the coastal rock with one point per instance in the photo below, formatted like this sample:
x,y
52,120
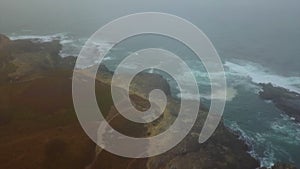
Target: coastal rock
x,y
283,166
284,99
223,150
23,60
280,166
3,41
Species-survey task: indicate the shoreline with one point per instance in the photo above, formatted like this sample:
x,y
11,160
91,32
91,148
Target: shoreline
x,y
70,61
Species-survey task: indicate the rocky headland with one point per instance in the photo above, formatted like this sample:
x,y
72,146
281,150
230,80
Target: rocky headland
x,y
284,99
39,128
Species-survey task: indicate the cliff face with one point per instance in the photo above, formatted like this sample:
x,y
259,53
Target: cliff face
x,y
21,60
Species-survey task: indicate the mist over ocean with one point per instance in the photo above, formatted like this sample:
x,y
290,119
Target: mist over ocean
x,y
258,42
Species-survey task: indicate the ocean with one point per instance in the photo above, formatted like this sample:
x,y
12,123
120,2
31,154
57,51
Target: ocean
x,y
258,42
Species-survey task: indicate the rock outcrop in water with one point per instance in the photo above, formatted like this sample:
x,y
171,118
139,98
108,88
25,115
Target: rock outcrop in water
x,y
285,100
281,166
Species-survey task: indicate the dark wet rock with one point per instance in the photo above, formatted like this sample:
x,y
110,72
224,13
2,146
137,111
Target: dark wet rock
x,y
285,100
283,166
280,166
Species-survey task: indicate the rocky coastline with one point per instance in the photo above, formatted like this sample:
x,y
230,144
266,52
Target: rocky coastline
x,y
33,72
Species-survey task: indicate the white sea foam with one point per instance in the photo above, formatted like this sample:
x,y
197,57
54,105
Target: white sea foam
x,y
71,46
230,94
68,44
40,38
283,131
258,74
286,130
252,139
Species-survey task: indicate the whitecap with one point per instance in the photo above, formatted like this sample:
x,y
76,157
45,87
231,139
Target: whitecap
x,y
39,38
259,74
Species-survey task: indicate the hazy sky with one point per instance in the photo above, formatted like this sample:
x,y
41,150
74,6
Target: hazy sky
x,y
257,29
31,14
